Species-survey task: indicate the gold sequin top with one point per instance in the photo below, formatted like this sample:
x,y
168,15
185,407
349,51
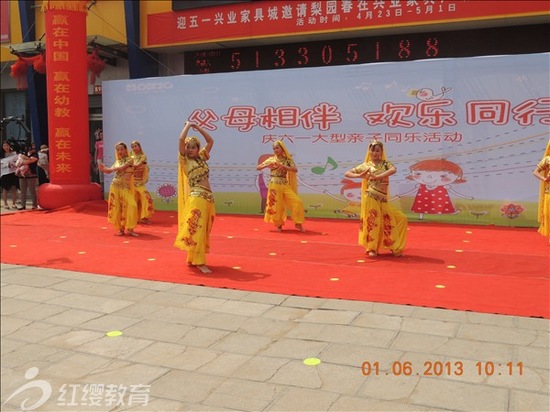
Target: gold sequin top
x,y
377,189
123,178
196,171
279,175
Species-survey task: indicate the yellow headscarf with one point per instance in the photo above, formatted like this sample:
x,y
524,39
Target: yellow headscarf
x,y
117,157
541,189
290,176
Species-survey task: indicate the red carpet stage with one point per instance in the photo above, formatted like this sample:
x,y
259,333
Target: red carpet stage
x,y
474,268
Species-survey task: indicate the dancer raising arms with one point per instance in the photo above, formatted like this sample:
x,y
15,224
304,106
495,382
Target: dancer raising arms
x,y
282,189
196,210
381,225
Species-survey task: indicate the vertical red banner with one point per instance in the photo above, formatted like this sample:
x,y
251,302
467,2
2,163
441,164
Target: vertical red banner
x,y
67,90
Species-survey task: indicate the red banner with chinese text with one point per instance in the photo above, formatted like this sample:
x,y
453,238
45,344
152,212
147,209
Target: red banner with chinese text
x,y
67,90
283,18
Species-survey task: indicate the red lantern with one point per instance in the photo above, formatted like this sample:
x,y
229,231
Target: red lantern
x,y
95,64
19,72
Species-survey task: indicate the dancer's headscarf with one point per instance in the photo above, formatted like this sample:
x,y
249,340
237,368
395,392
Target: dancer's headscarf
x,y
290,176
139,158
541,189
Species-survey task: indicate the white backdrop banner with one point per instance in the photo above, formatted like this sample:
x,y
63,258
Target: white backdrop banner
x,y
465,134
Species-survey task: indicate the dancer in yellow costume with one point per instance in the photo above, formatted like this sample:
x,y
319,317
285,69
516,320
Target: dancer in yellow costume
x,y
282,189
122,211
381,226
196,209
542,172
141,177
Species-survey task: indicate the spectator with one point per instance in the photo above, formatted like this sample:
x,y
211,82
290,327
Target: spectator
x,y
9,181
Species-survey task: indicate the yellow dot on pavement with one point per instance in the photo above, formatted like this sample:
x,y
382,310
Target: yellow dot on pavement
x,y
81,253
440,286
303,241
334,279
236,267
451,267
113,333
230,237
312,361
272,254
360,261
459,251
151,259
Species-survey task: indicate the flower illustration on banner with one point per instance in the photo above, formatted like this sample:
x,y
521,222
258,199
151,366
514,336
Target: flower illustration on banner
x,y
166,192
511,211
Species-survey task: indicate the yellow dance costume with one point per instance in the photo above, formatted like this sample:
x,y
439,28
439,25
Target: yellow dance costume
x,y
381,225
282,192
122,209
145,208
543,167
196,209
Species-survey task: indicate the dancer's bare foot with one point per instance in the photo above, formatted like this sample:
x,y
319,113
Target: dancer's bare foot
x,y
121,233
299,227
204,269
132,233
372,253
279,228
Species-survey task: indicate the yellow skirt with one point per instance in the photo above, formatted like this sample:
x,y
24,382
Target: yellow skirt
x,y
122,210
144,203
281,197
382,226
544,228
194,229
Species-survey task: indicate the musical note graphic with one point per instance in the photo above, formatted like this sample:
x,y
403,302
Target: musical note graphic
x,y
319,170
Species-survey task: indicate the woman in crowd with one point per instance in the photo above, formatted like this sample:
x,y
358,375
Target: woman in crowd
x,y
282,189
381,225
28,178
542,173
141,176
9,181
122,210
196,211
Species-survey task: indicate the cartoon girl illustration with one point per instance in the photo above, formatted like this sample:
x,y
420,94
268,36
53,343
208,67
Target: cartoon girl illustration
x,y
260,181
351,192
434,178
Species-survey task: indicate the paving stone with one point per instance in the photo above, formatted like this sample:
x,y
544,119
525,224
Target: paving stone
x,y
206,349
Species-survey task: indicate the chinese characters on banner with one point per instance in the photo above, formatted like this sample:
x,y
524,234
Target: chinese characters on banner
x,y
66,80
450,126
290,17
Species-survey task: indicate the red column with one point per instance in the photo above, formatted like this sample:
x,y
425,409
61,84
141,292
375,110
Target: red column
x,y
67,97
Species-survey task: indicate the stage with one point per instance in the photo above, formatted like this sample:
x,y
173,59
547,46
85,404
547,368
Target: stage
x,y
473,268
